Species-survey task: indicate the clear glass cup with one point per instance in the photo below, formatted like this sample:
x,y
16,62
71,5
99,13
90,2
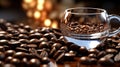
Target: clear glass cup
x,y
87,26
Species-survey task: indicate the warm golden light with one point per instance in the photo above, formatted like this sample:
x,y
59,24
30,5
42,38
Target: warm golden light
x,y
41,1
47,22
37,14
54,24
29,13
25,6
40,7
32,4
28,1
48,5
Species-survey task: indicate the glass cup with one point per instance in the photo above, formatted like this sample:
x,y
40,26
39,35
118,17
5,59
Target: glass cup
x,y
87,26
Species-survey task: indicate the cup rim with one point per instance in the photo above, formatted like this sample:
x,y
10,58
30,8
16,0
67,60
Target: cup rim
x,y
102,10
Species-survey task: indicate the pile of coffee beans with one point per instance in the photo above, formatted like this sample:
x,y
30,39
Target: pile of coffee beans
x,y
86,28
107,53
23,46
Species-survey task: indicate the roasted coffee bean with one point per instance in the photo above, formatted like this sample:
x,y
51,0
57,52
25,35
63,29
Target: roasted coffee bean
x,y
44,30
64,48
15,62
82,51
4,42
2,56
1,64
8,59
19,49
109,56
117,47
92,55
60,58
49,36
101,54
111,51
74,47
52,52
92,61
43,54
2,36
36,35
117,57
43,45
84,60
2,49
34,41
19,55
22,31
43,39
9,53
34,63
23,41
93,50
8,36
24,62
45,60
31,45
13,44
57,45
23,36
105,61
57,53
27,27
70,55
9,65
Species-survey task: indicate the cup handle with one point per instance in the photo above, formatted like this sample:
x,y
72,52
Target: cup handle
x,y
110,17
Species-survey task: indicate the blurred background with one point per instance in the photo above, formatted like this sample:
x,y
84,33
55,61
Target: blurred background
x,y
48,12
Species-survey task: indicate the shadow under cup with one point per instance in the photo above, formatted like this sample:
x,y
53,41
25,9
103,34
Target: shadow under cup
x,y
86,26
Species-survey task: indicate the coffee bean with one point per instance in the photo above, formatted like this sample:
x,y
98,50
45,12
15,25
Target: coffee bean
x,y
24,62
1,64
93,50
57,45
92,55
43,45
23,41
31,45
9,65
43,54
15,62
2,56
57,53
9,53
19,49
34,41
105,61
111,51
70,55
35,35
45,60
19,55
101,54
34,63
84,60
2,49
23,36
43,39
60,58
8,59
117,57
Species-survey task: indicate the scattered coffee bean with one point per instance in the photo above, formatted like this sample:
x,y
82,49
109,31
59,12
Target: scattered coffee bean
x,y
34,63
105,61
